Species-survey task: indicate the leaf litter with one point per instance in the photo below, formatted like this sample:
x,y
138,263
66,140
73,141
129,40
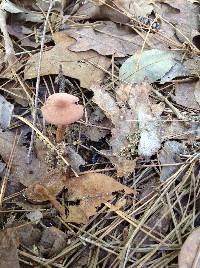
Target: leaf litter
x,y
122,188
85,66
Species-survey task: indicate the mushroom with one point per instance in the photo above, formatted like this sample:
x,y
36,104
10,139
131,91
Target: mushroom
x,y
62,109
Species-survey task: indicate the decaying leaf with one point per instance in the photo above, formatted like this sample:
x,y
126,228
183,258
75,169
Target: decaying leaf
x,y
17,93
183,15
107,103
185,95
34,216
21,171
21,33
124,120
91,10
123,127
177,130
170,154
189,254
117,10
52,241
178,70
193,65
150,65
148,126
11,7
164,218
135,8
29,235
8,249
136,130
106,38
92,190
74,159
96,118
123,166
6,109
17,7
53,183
85,66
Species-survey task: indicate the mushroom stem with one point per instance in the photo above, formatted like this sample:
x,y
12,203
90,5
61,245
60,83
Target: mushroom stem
x,y
60,132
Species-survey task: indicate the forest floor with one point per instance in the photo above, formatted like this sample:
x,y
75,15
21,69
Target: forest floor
x,y
122,187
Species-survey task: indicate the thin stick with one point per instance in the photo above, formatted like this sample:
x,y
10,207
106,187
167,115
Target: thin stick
x,y
29,156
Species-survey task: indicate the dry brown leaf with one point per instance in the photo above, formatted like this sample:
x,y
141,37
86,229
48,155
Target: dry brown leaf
x,y
116,10
134,8
107,103
147,123
184,95
21,32
52,242
85,66
163,217
8,249
170,154
91,10
20,170
177,130
182,14
124,166
107,39
97,118
189,256
124,125
16,6
29,235
92,190
136,130
53,183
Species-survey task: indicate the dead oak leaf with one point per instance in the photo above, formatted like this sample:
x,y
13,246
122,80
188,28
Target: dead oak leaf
x,y
84,66
92,190
106,38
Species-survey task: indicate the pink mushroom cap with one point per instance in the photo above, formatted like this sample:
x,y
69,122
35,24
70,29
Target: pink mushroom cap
x,y
62,109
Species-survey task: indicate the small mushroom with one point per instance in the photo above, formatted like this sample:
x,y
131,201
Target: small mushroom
x,y
62,109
